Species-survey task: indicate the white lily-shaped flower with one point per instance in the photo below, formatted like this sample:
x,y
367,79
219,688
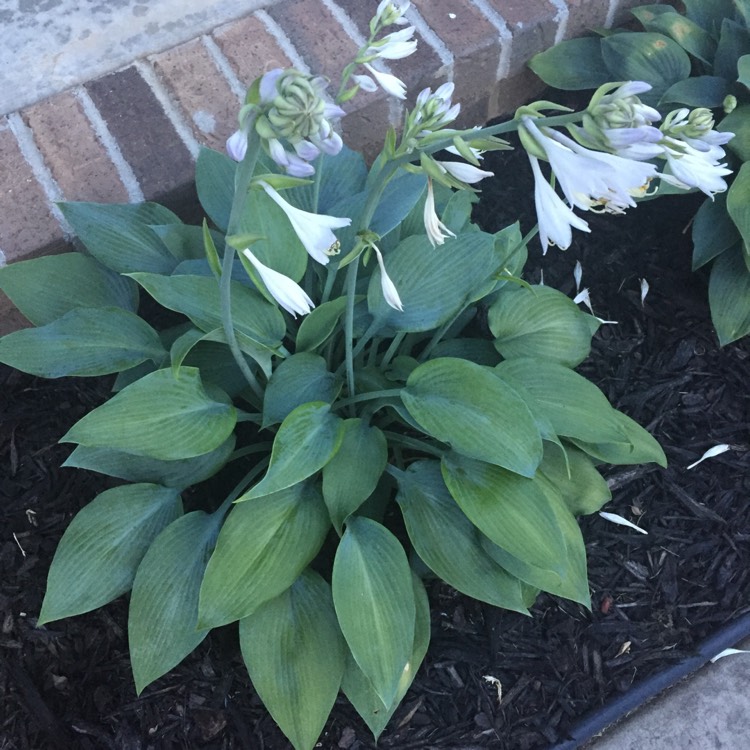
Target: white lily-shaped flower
x,y
691,168
436,231
464,172
389,83
592,179
554,217
390,12
390,293
395,46
290,295
313,230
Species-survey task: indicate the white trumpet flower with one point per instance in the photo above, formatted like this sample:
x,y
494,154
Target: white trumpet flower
x,y
389,83
395,46
437,232
555,219
390,293
313,230
464,172
290,295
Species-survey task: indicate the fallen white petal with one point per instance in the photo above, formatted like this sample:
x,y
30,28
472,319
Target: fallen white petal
x,y
728,652
644,290
710,453
578,275
614,518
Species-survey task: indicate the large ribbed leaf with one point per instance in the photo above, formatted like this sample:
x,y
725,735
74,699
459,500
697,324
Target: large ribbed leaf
x,y
69,281
470,408
295,655
163,617
511,510
84,342
374,600
160,417
99,553
448,542
263,546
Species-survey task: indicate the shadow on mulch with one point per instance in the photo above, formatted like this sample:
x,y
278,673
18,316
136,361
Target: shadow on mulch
x,y
655,597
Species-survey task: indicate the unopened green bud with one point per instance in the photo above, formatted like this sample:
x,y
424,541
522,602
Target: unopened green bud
x,y
729,103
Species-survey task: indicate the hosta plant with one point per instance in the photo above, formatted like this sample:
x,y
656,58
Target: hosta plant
x,y
701,60
343,387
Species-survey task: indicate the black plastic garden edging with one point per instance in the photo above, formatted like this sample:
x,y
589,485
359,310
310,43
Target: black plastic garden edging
x,y
611,713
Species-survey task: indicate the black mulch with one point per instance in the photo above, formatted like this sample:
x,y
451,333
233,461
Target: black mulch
x,y
68,685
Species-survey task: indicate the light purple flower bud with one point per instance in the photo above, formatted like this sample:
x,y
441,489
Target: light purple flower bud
x,y
297,167
306,150
333,110
277,152
237,145
268,85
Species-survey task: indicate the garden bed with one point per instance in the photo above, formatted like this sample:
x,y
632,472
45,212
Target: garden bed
x,y
654,597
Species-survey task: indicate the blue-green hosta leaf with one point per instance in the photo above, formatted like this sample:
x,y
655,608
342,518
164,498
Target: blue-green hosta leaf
x,y
738,122
541,322
214,181
688,34
698,91
69,281
573,475
163,616
179,474
295,655
729,296
100,551
264,545
734,42
306,441
352,475
709,13
120,236
448,543
713,230
574,406
320,324
359,690
374,600
646,56
434,283
159,417
572,65
511,510
198,298
639,446
185,241
301,378
84,342
738,202
570,578
467,406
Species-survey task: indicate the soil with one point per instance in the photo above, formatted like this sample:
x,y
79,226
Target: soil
x,y
492,679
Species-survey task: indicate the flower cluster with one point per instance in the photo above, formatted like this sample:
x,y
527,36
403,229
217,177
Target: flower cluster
x,y
605,166
288,111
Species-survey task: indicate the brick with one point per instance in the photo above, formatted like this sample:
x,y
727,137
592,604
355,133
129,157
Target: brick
x,y
533,27
250,49
584,15
475,45
10,319
317,36
147,140
364,128
511,93
421,69
201,90
28,227
73,153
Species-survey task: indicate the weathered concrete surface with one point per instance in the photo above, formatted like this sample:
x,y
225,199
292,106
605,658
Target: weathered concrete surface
x,y
708,711
47,46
